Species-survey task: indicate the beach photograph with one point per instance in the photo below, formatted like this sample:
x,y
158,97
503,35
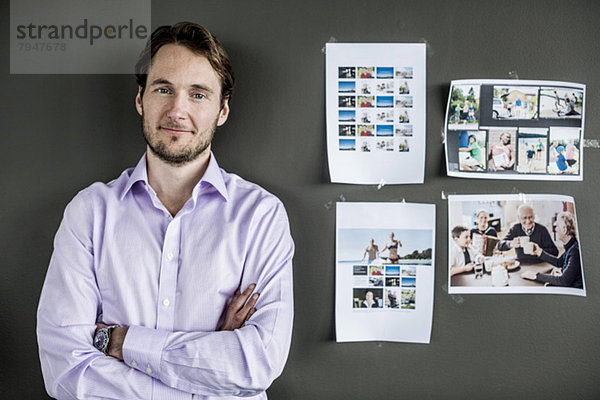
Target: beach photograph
x,y
561,103
347,144
385,73
346,86
385,130
404,72
532,154
385,101
347,115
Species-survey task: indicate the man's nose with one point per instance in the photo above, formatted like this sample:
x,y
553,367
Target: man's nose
x,y
177,107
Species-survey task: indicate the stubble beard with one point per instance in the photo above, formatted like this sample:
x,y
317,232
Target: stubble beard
x,y
187,154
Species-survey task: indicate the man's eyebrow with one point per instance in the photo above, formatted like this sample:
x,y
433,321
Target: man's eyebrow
x,y
202,87
160,82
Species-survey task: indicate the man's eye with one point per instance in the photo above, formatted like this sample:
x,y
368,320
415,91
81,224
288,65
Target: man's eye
x,y
199,96
162,90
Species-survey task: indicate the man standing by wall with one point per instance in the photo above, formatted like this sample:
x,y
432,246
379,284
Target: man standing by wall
x,y
141,299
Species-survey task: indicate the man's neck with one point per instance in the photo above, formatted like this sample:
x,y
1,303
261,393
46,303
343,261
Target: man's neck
x,y
174,184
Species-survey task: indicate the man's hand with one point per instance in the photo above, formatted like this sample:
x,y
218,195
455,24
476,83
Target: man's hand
x,y
117,337
240,309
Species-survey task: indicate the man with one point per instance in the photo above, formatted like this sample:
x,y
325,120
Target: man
x,y
501,154
372,250
462,256
146,265
527,227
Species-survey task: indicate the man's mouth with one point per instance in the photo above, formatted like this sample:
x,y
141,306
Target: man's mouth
x,y
172,130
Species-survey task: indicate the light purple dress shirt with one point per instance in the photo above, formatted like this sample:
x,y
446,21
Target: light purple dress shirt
x,y
121,258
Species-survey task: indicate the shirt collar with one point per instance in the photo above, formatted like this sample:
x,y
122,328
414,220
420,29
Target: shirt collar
x,y
212,176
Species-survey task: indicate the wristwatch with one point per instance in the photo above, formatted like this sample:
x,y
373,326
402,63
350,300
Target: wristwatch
x,y
103,337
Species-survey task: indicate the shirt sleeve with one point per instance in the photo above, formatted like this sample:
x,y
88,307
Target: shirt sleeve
x,y
70,305
547,244
571,269
243,362
504,244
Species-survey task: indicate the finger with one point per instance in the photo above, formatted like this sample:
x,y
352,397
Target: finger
x,y
239,299
250,313
249,305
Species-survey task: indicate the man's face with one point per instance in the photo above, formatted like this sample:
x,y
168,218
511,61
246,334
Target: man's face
x,y
463,240
505,138
369,296
527,218
181,105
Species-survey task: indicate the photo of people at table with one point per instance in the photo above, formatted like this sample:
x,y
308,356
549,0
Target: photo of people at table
x,y
514,244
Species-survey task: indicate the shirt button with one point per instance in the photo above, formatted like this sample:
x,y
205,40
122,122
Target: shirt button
x,y
170,256
166,302
133,363
149,370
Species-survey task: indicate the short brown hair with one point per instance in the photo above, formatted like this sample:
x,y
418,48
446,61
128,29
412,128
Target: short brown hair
x,y
457,230
195,38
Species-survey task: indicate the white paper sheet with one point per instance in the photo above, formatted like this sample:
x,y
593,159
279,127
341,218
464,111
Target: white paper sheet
x,y
400,276
498,262
376,112
515,129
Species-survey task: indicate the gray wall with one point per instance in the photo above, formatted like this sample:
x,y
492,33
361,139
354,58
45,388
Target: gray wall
x,y
60,133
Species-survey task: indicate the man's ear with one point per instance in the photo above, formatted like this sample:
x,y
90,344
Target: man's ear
x,y
224,113
138,101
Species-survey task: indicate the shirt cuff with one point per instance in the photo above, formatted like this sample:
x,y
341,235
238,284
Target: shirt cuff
x,y
142,349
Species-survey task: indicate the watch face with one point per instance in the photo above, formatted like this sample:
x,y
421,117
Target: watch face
x,y
100,339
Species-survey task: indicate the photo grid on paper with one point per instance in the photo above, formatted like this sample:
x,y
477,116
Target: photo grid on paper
x,y
374,109
524,129
386,276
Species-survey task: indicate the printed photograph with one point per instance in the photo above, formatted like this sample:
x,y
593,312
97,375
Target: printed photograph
x,y
375,281
347,115
472,151
347,144
408,299
366,130
386,87
505,241
366,72
409,282
366,145
384,145
366,116
404,101
385,130
403,87
406,247
347,130
518,102
564,150
501,150
376,270
385,101
410,271
366,88
561,103
403,116
404,130
392,297
367,298
392,281
404,72
366,101
347,72
533,146
347,102
385,73
385,116
347,86
403,145
464,107
393,270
